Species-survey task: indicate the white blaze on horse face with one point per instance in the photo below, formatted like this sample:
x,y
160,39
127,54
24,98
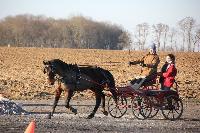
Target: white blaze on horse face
x,y
49,78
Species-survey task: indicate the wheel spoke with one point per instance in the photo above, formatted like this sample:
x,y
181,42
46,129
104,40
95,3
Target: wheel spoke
x,y
145,112
141,112
173,113
113,108
138,114
116,111
176,111
120,112
111,104
168,113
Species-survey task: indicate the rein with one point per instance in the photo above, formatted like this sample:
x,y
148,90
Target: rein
x,y
78,77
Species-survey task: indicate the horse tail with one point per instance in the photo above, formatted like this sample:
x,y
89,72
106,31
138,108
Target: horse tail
x,y
110,82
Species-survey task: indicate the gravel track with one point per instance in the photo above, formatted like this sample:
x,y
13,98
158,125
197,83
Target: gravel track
x,y
65,121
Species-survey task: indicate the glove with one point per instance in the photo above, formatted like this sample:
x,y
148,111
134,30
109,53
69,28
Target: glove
x,y
129,63
143,65
159,73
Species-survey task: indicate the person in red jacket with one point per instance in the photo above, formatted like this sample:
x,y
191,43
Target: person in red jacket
x,y
168,73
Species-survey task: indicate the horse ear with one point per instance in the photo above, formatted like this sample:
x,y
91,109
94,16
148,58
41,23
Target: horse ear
x,y
45,62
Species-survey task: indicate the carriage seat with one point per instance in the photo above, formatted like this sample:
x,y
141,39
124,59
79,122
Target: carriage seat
x,y
151,82
163,92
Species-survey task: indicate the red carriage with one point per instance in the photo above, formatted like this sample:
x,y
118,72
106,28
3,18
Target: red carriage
x,y
146,101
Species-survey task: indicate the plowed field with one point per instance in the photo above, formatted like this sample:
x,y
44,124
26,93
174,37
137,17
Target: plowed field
x,y
21,69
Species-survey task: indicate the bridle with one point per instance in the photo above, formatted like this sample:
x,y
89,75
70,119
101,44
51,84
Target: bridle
x,y
51,71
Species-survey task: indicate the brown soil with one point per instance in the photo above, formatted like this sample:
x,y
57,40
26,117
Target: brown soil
x,y
21,69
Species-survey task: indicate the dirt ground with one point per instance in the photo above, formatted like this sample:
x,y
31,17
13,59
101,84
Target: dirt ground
x,y
21,69
66,121
22,79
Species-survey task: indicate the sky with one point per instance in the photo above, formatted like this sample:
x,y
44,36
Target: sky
x,y
126,13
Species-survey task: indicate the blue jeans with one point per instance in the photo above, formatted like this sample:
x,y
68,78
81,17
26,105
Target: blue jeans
x,y
165,88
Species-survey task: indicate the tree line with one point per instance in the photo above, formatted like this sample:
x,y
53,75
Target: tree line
x,y
184,37
75,32
82,32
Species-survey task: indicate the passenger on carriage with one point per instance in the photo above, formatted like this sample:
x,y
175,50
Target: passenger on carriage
x,y
149,65
168,73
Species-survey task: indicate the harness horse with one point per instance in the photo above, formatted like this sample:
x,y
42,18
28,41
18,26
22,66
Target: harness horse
x,y
73,78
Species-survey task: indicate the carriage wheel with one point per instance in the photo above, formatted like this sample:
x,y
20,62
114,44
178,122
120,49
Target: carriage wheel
x,y
141,107
155,110
173,108
119,109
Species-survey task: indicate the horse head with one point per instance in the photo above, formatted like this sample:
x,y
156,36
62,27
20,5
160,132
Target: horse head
x,y
50,70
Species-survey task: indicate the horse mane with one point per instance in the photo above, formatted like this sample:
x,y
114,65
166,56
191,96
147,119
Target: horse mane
x,y
65,65
75,67
62,64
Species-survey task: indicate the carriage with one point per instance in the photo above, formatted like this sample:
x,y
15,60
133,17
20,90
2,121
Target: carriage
x,y
146,101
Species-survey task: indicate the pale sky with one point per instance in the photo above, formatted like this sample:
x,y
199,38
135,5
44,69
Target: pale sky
x,y
126,13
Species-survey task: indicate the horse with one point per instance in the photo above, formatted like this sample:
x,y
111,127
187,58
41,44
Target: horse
x,y
72,78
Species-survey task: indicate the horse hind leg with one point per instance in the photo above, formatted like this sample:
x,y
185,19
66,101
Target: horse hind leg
x,y
57,97
114,93
68,98
98,102
103,104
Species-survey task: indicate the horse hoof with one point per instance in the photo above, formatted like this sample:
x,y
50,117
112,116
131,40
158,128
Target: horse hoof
x,y
67,106
90,116
105,113
74,111
49,116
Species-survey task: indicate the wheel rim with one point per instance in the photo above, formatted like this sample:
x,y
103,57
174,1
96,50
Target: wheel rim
x,y
119,109
155,110
141,107
174,111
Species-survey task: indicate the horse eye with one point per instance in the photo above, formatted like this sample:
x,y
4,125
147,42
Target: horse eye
x,y
44,70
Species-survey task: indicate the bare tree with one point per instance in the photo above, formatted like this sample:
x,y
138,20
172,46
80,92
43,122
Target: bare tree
x,y
197,40
165,32
124,41
172,39
186,25
75,32
142,31
158,31
82,32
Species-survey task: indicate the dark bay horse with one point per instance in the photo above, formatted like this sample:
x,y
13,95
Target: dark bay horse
x,y
73,78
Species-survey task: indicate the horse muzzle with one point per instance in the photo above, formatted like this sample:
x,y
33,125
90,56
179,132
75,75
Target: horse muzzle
x,y
52,81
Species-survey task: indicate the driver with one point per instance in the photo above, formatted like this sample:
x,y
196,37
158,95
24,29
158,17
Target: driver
x,y
149,65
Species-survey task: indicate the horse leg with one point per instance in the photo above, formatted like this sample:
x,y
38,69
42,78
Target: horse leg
x,y
68,98
57,97
98,102
103,104
114,93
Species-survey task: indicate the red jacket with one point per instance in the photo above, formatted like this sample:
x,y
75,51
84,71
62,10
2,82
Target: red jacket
x,y
169,75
